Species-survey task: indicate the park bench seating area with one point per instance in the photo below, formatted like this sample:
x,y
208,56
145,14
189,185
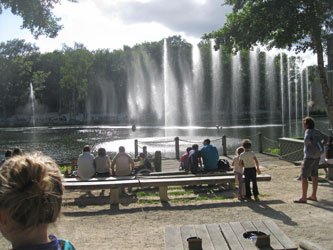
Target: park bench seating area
x,y
162,181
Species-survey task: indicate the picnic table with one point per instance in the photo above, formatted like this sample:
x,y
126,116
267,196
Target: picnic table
x,y
226,236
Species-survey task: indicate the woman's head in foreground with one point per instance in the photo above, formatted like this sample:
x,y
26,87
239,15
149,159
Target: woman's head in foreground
x,y
30,191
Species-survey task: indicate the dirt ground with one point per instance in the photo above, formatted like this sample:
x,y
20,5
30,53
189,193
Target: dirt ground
x,y
88,222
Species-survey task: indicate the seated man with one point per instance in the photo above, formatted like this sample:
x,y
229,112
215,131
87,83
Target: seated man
x,y
145,165
124,163
102,163
85,163
210,156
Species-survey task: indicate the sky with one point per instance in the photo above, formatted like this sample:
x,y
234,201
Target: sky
x,y
111,24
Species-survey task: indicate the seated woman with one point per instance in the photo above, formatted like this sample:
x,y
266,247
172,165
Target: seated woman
x,y
102,163
145,166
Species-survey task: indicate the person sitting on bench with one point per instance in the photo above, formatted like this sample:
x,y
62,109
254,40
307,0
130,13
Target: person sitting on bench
x,y
209,155
124,163
145,165
102,163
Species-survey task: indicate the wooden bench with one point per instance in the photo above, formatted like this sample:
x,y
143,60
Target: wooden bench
x,y
226,236
162,182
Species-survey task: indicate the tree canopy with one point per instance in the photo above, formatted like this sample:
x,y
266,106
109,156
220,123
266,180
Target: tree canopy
x,y
303,25
36,14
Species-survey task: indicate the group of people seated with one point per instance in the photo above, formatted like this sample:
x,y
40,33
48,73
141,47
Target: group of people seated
x,y
191,160
121,165
10,153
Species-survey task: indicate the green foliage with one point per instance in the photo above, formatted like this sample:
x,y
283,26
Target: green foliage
x,y
274,151
36,14
275,24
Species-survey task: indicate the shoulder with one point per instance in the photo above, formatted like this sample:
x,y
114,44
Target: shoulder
x,y
66,245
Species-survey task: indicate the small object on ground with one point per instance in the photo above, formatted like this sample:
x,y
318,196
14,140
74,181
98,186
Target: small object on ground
x,y
299,201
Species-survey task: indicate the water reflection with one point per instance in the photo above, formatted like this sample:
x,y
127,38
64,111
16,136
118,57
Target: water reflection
x,y
66,142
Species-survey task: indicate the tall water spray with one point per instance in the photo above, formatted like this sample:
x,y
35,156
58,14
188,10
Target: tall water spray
x,y
282,87
270,80
236,93
289,93
217,83
302,92
296,90
171,99
197,72
254,83
32,100
307,91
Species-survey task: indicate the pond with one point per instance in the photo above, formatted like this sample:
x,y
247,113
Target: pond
x,y
65,143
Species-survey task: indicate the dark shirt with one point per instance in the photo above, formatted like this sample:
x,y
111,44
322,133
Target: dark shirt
x,y
210,156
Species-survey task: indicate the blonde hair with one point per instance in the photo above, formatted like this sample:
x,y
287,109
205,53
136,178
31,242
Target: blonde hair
x,y
239,150
31,190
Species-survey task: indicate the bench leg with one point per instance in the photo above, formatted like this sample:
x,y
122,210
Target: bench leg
x,y
114,196
330,173
232,184
163,190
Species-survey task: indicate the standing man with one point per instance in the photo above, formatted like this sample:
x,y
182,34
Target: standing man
x,y
124,163
209,155
85,163
314,142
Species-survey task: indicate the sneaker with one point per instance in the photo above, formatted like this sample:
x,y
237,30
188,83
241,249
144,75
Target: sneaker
x,y
256,198
298,178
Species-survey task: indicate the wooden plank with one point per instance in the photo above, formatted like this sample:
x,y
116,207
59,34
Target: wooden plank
x,y
186,232
280,235
239,230
100,184
172,238
230,237
202,232
109,178
216,237
186,181
275,244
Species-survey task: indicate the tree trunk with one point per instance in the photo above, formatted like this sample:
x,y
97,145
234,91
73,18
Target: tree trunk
x,y
323,80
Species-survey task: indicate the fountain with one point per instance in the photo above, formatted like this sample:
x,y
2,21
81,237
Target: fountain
x,y
32,100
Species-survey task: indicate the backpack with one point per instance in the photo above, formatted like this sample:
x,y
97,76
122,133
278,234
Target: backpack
x,y
223,165
315,148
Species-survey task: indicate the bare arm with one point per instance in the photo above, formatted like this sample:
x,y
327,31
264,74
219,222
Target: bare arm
x,y
257,165
113,163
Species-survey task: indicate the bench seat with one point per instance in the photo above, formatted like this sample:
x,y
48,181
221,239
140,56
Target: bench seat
x,y
115,183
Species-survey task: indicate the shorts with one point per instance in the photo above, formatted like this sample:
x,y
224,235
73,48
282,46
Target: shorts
x,y
310,167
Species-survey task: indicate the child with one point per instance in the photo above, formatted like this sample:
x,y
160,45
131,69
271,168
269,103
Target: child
x,y
30,199
195,159
329,154
249,161
184,160
238,172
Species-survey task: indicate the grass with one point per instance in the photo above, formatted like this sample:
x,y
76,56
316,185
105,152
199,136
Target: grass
x,y
150,196
274,151
64,168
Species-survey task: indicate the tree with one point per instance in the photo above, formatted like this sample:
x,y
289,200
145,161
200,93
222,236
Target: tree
x,y
37,15
301,25
74,73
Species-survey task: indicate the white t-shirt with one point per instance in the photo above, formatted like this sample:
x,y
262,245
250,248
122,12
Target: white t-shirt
x,y
85,165
247,158
237,167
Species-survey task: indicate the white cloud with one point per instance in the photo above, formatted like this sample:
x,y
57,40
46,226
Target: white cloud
x,y
112,24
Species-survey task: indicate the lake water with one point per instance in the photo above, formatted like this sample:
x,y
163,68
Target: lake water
x,y
65,143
